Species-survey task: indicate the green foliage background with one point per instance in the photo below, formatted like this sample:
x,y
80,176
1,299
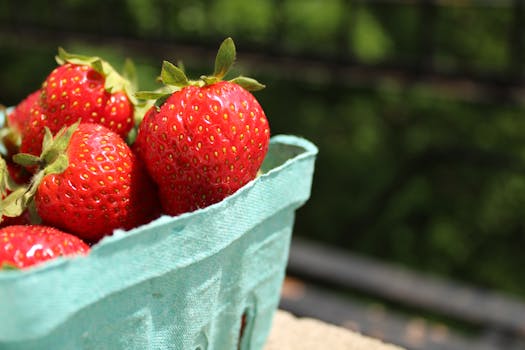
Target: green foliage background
x,y
411,172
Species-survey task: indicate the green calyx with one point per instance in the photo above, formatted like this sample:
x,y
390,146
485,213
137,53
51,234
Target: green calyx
x,y
53,160
7,266
175,78
127,81
7,184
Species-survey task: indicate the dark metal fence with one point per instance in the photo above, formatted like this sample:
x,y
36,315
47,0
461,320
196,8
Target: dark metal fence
x,y
418,62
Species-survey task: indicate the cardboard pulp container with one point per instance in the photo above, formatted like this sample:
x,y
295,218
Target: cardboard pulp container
x,y
180,282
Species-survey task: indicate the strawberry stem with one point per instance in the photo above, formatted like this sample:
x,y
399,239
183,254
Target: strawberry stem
x,y
175,77
249,84
6,181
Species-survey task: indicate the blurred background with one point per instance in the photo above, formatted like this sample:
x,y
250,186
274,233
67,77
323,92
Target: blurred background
x,y
415,227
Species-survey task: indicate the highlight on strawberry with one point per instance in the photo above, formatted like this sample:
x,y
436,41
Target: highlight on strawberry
x,y
204,139
23,246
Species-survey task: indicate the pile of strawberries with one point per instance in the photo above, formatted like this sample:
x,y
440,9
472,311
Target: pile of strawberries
x,y
87,154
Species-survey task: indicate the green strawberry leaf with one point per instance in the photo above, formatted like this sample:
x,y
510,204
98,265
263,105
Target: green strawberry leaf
x,y
173,75
160,101
21,199
150,95
58,166
131,136
58,146
6,181
48,139
64,56
27,160
4,174
209,80
98,65
141,108
15,203
34,218
7,266
148,99
225,58
129,72
180,64
53,158
248,83
114,82
130,76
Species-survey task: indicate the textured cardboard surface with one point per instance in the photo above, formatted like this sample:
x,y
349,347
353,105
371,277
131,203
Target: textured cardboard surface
x,y
291,333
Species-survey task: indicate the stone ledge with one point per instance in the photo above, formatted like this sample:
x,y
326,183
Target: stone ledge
x,y
292,333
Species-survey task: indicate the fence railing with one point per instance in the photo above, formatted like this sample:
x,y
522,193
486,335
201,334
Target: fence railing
x,y
490,320
421,62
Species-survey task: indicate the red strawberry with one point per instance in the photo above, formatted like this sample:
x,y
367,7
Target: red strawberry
x,y
84,88
22,246
15,122
206,140
19,117
103,187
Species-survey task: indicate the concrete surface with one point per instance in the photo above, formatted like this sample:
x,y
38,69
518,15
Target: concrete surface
x,y
292,333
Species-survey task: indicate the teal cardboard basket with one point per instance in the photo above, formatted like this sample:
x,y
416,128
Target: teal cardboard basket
x,y
177,283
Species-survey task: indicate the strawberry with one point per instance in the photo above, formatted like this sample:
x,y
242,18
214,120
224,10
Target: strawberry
x,y
205,140
85,88
15,122
19,117
22,246
95,186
